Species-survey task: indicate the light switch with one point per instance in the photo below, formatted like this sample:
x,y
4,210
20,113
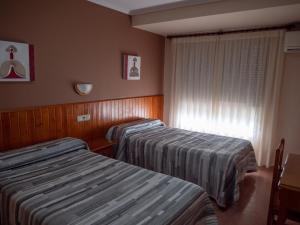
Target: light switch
x,y
82,118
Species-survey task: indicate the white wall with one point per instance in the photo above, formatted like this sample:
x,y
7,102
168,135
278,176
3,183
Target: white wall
x,y
289,108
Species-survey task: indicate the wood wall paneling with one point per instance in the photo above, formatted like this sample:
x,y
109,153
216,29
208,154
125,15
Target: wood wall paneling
x,y
22,127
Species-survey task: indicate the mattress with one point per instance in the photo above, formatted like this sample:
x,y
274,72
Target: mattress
x,y
216,163
62,182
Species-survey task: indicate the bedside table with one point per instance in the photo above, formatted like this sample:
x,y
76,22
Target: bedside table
x,y
102,146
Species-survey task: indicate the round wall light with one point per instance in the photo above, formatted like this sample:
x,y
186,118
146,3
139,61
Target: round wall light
x,y
83,89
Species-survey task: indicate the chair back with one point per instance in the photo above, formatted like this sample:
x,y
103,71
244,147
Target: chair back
x,y
276,177
278,164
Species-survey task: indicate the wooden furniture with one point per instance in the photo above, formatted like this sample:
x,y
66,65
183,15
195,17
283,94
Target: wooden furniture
x,y
289,190
273,205
23,127
102,146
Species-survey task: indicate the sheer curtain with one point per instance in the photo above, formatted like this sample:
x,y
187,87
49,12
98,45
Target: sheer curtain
x,y
227,84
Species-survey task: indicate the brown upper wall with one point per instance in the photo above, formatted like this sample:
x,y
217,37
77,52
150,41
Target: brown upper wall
x,y
77,41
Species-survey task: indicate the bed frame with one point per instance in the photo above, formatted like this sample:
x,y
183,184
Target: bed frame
x,y
23,127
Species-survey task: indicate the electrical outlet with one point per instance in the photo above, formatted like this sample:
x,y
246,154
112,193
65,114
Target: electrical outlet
x,y
82,118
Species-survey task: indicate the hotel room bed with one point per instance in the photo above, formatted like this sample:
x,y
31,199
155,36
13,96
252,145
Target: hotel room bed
x,y
216,163
61,182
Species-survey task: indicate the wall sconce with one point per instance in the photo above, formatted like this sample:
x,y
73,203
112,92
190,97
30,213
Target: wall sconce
x,y
83,89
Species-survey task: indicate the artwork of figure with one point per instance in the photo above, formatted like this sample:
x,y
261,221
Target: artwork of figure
x,y
15,62
134,71
12,68
132,67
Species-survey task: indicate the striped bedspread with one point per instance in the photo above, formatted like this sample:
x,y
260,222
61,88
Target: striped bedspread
x,y
216,163
61,182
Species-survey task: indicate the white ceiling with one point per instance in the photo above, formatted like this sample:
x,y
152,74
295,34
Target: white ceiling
x,y
175,17
267,17
126,6
144,6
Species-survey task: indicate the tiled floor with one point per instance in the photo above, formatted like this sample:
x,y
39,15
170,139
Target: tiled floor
x,y
252,207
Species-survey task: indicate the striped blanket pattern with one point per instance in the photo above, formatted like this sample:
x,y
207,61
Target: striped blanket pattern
x,y
216,163
61,182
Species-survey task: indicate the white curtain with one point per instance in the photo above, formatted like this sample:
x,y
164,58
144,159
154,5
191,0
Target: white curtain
x,y
226,84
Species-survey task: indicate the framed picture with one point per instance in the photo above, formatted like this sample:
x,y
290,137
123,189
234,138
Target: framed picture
x,y
16,62
131,67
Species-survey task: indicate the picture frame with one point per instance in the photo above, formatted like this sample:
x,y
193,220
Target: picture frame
x,y
16,62
131,67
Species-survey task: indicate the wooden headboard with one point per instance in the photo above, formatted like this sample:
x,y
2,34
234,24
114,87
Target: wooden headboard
x,y
24,127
